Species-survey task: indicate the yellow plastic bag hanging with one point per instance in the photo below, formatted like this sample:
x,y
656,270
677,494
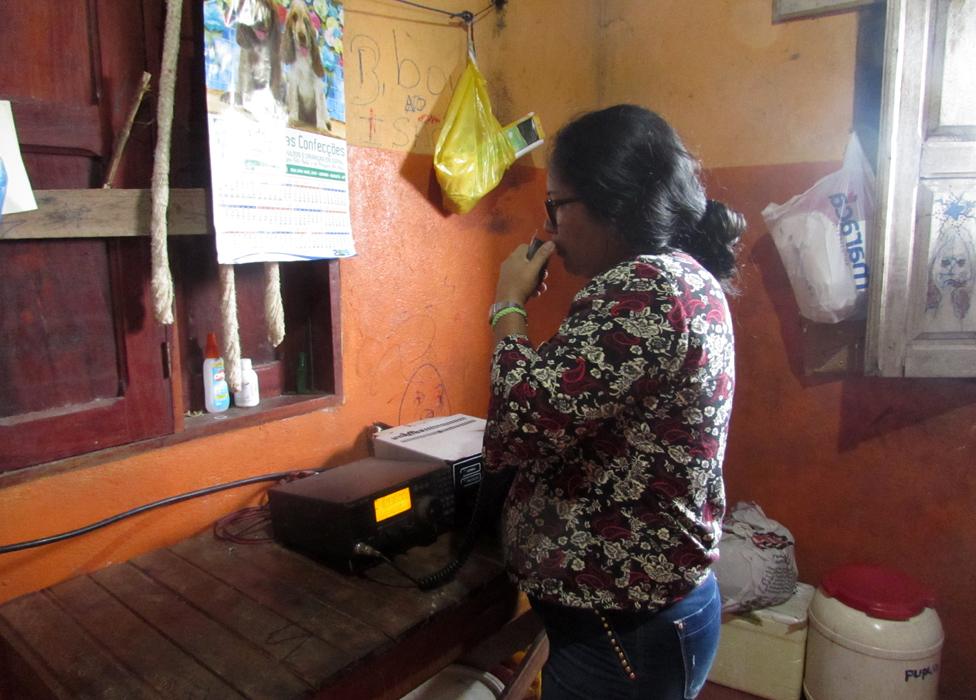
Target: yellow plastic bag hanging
x,y
472,151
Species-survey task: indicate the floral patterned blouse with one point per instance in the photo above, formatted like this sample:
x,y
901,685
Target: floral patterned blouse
x,y
617,428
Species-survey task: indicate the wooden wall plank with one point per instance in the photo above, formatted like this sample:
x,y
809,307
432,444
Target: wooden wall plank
x,y
58,126
101,213
81,666
136,644
239,663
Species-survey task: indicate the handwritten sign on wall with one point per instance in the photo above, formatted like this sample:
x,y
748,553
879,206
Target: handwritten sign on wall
x,y
401,67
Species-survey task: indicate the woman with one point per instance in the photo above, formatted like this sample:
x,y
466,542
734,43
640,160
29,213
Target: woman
x,y
616,426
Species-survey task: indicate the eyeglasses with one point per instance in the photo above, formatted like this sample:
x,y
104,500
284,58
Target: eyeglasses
x,y
553,204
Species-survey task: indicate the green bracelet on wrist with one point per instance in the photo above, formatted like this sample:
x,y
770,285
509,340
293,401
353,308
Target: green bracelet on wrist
x,y
499,305
505,311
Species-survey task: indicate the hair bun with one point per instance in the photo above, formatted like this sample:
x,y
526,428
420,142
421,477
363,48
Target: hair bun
x,y
721,219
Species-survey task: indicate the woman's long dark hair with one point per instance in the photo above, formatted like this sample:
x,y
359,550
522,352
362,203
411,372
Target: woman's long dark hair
x,y
631,169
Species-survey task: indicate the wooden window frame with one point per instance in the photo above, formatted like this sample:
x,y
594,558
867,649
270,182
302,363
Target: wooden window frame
x,y
126,213
73,117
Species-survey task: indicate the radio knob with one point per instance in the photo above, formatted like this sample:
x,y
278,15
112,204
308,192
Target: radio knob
x,y
430,510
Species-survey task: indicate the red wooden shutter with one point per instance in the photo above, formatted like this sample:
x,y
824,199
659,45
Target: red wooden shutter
x,y
81,361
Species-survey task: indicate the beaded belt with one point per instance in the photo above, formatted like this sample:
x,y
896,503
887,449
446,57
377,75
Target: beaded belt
x,y
615,645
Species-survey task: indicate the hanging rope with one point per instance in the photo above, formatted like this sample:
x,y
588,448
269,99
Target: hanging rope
x,y
229,340
274,311
162,280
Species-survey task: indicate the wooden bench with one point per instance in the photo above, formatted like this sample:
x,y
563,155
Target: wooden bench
x,y
206,618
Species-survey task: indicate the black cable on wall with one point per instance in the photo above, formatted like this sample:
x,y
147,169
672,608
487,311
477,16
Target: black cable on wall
x,y
29,544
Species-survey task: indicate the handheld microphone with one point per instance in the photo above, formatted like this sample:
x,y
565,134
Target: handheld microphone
x,y
534,246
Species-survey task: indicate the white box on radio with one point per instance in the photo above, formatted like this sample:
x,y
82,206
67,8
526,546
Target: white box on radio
x,y
454,440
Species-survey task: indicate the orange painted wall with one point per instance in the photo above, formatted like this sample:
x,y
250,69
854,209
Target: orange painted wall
x,y
860,469
742,90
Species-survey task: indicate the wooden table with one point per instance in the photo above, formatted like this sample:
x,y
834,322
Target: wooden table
x,y
209,619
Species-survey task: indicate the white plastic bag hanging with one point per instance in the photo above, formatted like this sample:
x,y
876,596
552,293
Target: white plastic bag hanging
x,y
821,236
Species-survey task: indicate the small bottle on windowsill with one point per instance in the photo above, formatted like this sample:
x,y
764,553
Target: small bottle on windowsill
x,y
249,394
216,395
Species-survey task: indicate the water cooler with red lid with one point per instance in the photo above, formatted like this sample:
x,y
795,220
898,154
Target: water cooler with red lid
x,y
873,633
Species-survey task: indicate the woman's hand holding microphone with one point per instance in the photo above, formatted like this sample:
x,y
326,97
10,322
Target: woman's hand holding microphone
x,y
520,277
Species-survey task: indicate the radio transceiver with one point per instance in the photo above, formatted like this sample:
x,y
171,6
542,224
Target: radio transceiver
x,y
423,481
386,504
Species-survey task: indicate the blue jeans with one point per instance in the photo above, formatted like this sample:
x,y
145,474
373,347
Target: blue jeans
x,y
669,653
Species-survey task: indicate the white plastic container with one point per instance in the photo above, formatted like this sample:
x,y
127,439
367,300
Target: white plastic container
x,y
249,394
873,634
762,652
458,682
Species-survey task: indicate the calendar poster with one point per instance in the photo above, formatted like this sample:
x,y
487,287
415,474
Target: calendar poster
x,y
277,126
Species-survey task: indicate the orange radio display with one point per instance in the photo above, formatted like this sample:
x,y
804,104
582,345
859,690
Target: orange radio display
x,y
392,504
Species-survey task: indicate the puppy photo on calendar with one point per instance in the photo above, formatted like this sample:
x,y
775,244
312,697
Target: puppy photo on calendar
x,y
259,85
304,87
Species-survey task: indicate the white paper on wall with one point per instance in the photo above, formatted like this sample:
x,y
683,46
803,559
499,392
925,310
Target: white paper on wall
x,y
20,196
